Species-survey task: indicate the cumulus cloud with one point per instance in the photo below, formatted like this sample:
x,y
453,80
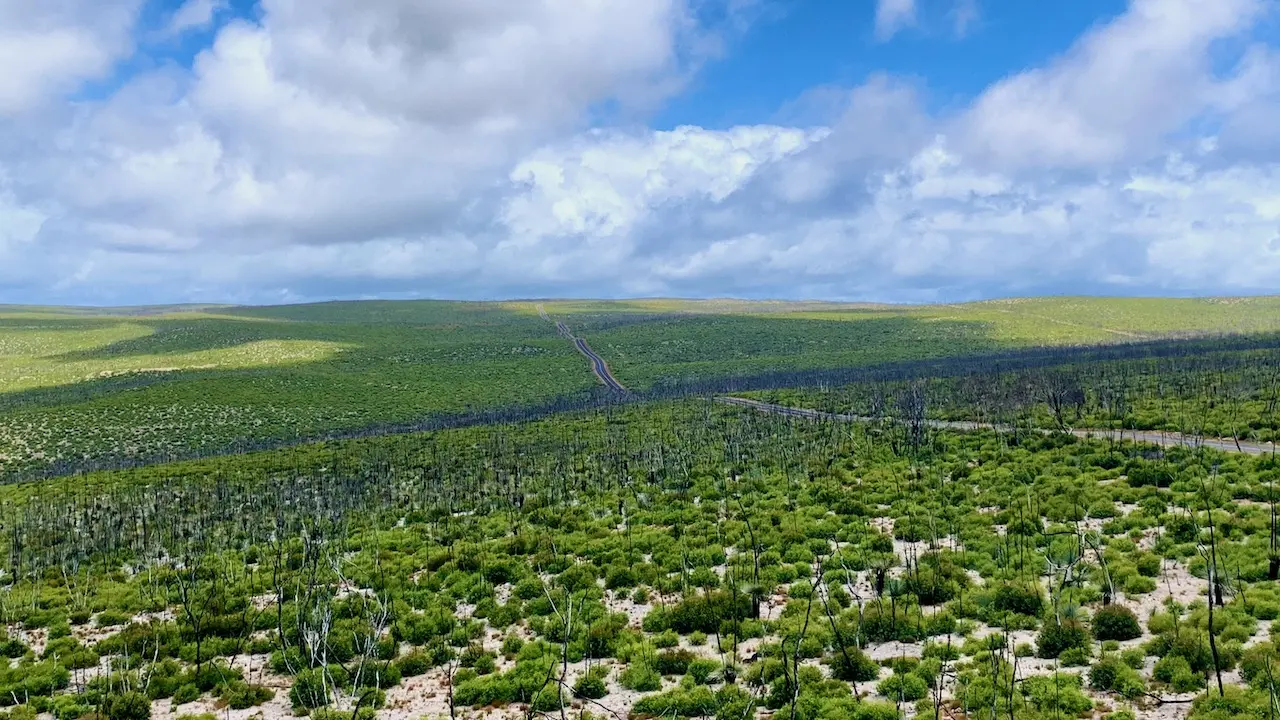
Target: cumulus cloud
x,y
336,121
49,46
894,15
1116,95
335,148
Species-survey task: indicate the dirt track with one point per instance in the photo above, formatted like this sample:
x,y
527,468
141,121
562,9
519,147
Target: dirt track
x,y
1163,439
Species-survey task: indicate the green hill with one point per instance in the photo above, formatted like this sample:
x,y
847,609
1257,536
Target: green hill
x,y
83,383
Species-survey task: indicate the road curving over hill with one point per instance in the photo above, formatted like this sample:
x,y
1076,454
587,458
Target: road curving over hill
x,y
1162,439
598,365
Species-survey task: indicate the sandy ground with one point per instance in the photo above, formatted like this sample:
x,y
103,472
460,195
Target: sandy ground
x,y
426,697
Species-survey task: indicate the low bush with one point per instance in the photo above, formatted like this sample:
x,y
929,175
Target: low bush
x,y
1116,622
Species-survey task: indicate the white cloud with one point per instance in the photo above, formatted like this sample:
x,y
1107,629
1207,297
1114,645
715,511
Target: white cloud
x,y
48,47
894,15
387,146
1116,95
336,121
194,15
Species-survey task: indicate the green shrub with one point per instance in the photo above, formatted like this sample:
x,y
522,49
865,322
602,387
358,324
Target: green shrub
x,y
666,639
68,707
906,687
1074,657
413,664
620,578
1116,622
366,713
1054,638
1192,646
11,647
1112,675
674,662
309,690
28,679
1138,585
1254,663
1176,672
591,685
241,695
1234,704
1057,694
110,618
641,677
704,613
1182,529
1149,565
872,710
185,694
853,665
127,706
1134,658
1023,599
702,670
679,702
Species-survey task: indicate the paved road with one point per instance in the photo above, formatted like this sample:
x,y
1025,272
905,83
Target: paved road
x,y
1163,439
598,365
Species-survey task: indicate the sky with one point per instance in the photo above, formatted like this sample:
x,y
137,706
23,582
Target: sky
x,y
268,151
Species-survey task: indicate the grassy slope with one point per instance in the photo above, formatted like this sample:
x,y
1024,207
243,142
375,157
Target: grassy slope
x,y
76,382
680,338
71,386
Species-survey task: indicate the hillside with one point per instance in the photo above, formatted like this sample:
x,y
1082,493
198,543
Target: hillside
x,y
80,385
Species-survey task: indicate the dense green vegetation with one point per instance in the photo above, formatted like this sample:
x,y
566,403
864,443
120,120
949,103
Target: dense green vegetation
x,y
83,388
73,388
1234,395
674,559
713,338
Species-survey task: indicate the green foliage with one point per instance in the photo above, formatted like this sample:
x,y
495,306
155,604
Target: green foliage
x,y
591,684
401,554
1020,598
852,665
1235,704
903,687
1110,674
1058,693
692,702
1116,622
641,677
1056,637
1178,673
127,706
705,612
31,679
674,662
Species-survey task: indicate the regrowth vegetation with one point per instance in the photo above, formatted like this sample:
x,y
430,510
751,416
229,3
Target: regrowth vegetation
x,y
679,559
83,389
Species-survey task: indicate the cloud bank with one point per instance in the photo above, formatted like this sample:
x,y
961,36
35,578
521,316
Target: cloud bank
x,y
460,149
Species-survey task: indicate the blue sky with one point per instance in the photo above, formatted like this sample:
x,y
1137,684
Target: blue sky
x,y
823,43
901,150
